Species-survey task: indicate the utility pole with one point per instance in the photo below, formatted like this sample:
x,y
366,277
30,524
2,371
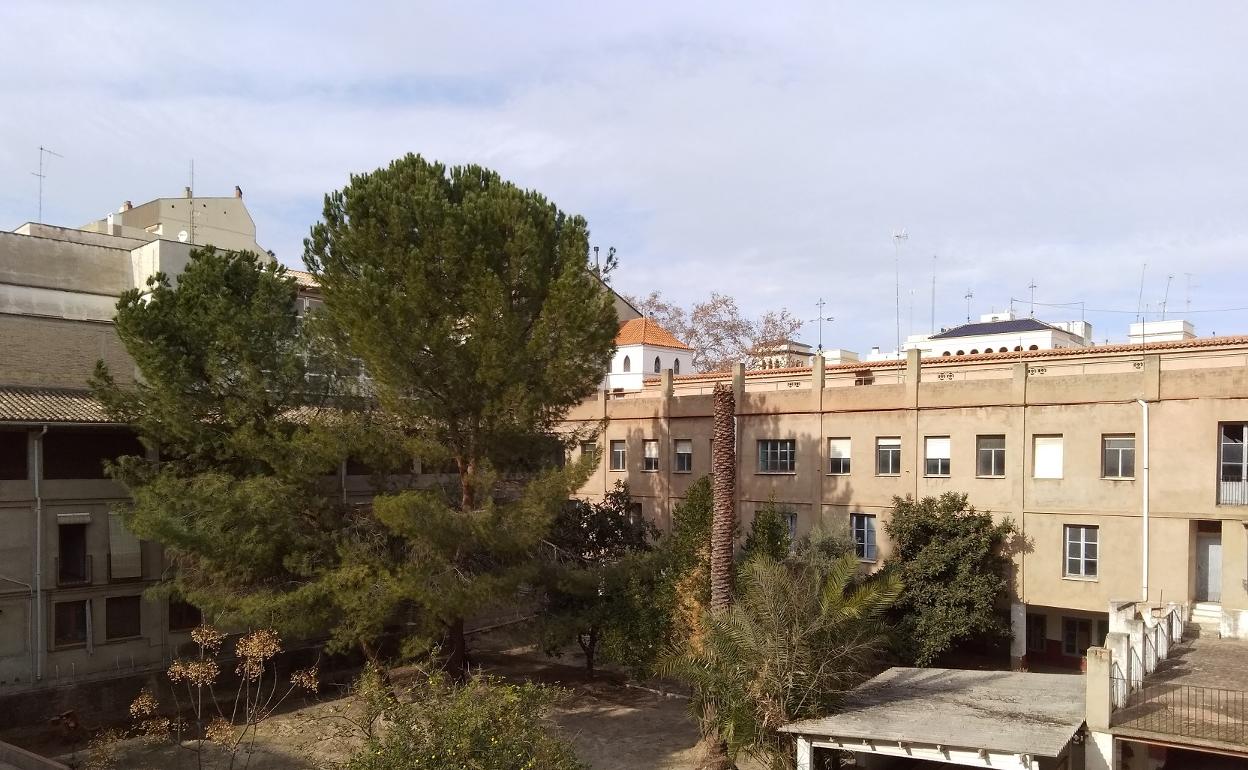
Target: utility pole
x,y
40,173
821,319
898,237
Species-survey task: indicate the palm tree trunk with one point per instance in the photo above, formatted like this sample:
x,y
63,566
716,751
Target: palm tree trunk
x,y
724,515
711,753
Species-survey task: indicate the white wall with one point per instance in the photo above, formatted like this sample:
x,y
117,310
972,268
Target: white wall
x,y
641,365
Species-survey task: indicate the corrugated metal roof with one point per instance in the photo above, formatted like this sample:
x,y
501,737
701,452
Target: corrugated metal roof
x,y
20,404
995,327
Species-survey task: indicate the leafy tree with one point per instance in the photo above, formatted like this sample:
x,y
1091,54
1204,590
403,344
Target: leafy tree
x,y
469,303
592,570
798,636
952,560
482,724
719,333
769,534
239,496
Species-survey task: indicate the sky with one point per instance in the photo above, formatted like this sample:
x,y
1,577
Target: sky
x,y
765,151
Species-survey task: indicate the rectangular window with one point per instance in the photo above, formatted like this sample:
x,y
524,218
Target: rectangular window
x,y
590,449
69,623
121,617
1076,636
1081,551
936,455
790,522
1118,457
73,563
184,616
838,456
81,454
125,554
1036,632
619,456
887,456
1047,457
777,455
650,455
13,455
684,455
990,456
1233,458
863,526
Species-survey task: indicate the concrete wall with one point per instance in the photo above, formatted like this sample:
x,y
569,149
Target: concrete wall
x,y
50,352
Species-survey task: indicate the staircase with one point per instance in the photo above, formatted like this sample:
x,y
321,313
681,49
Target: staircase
x,y
1205,620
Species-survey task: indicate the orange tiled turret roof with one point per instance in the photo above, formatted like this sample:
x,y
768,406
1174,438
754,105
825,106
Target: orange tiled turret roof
x,y
644,331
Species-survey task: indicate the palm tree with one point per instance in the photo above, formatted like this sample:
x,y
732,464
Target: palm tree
x,y
724,471
798,637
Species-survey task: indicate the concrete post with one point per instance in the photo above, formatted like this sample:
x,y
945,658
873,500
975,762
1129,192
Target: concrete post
x,y
738,383
1018,640
805,754
1098,681
914,371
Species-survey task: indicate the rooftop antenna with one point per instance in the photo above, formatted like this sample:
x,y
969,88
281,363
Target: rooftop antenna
x,y
821,319
969,294
1187,301
1032,286
1139,303
1165,298
911,312
933,294
191,195
43,151
898,237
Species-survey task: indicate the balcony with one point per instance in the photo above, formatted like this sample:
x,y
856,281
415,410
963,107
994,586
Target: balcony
x,y
1212,714
73,571
1233,493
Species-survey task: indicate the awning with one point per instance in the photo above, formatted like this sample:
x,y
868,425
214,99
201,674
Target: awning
x,y
973,718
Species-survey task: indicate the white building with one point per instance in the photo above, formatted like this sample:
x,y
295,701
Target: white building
x,y
645,349
1002,333
1161,331
785,355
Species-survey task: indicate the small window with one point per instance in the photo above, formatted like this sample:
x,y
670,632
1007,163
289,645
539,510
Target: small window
x,y
619,456
1033,347
990,456
1076,636
650,455
838,456
864,377
628,364
863,526
184,616
1047,457
658,366
888,456
1118,457
1004,350
1081,551
1233,459
589,449
790,521
122,617
1036,624
69,623
1018,348
73,563
684,455
946,353
974,351
777,456
125,553
961,352
936,456
635,513
676,366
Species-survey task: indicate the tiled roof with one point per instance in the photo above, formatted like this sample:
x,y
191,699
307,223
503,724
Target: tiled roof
x,y
1013,326
644,331
305,280
19,404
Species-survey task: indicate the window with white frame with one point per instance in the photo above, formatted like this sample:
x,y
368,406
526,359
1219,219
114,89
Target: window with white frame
x,y
888,456
1046,457
990,456
650,455
1081,550
658,365
684,455
936,455
1118,457
628,363
1232,457
589,449
838,456
619,456
777,455
863,527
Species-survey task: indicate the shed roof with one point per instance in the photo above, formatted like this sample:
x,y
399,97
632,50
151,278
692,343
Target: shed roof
x,y
996,710
980,329
53,405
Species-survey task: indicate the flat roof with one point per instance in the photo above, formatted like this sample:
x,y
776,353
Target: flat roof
x,y
1001,711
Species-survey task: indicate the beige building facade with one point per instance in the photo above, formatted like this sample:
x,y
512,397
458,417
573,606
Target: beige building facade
x,y
1092,452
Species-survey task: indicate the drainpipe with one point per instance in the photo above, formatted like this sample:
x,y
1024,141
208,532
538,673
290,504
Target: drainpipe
x,y
1144,503
40,630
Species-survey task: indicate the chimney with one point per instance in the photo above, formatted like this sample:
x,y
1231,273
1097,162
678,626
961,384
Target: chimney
x,y
125,206
238,191
188,192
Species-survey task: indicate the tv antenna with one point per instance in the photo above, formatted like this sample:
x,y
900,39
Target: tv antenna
x,y
43,151
1165,298
820,320
1139,303
1032,287
968,296
1187,301
898,237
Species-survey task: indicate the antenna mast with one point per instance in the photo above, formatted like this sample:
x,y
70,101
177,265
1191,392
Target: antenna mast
x,y
967,297
1032,286
1139,304
898,237
821,319
1166,297
40,173
1187,302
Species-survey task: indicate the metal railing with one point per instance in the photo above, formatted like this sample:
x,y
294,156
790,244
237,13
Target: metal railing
x,y
1233,493
1208,713
75,571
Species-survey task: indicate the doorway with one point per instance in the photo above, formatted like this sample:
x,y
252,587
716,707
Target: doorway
x,y
1209,562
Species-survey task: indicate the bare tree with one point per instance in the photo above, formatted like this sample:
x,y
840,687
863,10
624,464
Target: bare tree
x,y
719,333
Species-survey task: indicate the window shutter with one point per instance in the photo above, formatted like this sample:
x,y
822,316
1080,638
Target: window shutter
x,y
125,555
938,448
1047,457
652,450
838,448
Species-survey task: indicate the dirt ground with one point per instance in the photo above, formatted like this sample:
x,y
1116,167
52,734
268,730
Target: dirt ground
x,y
613,726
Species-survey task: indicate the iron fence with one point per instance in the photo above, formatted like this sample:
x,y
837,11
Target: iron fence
x,y
1208,713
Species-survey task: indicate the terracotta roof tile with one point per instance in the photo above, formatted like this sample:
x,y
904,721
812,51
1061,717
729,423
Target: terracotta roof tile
x,y
20,404
304,279
644,331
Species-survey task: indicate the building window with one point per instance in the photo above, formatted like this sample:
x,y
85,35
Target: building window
x,y
864,377
888,456
125,553
777,455
69,623
619,456
684,455
73,563
657,365
1076,636
1036,632
990,456
122,617
628,364
1234,461
184,616
838,456
1118,457
650,455
82,454
936,456
676,366
1047,457
863,526
1081,551
790,521
13,455
590,449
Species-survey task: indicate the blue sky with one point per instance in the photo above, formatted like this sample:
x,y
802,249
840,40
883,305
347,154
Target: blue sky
x,y
764,152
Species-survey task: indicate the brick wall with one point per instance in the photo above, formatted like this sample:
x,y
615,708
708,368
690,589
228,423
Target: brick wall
x,y
50,352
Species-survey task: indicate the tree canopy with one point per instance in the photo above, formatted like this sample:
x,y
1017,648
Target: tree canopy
x,y
719,333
